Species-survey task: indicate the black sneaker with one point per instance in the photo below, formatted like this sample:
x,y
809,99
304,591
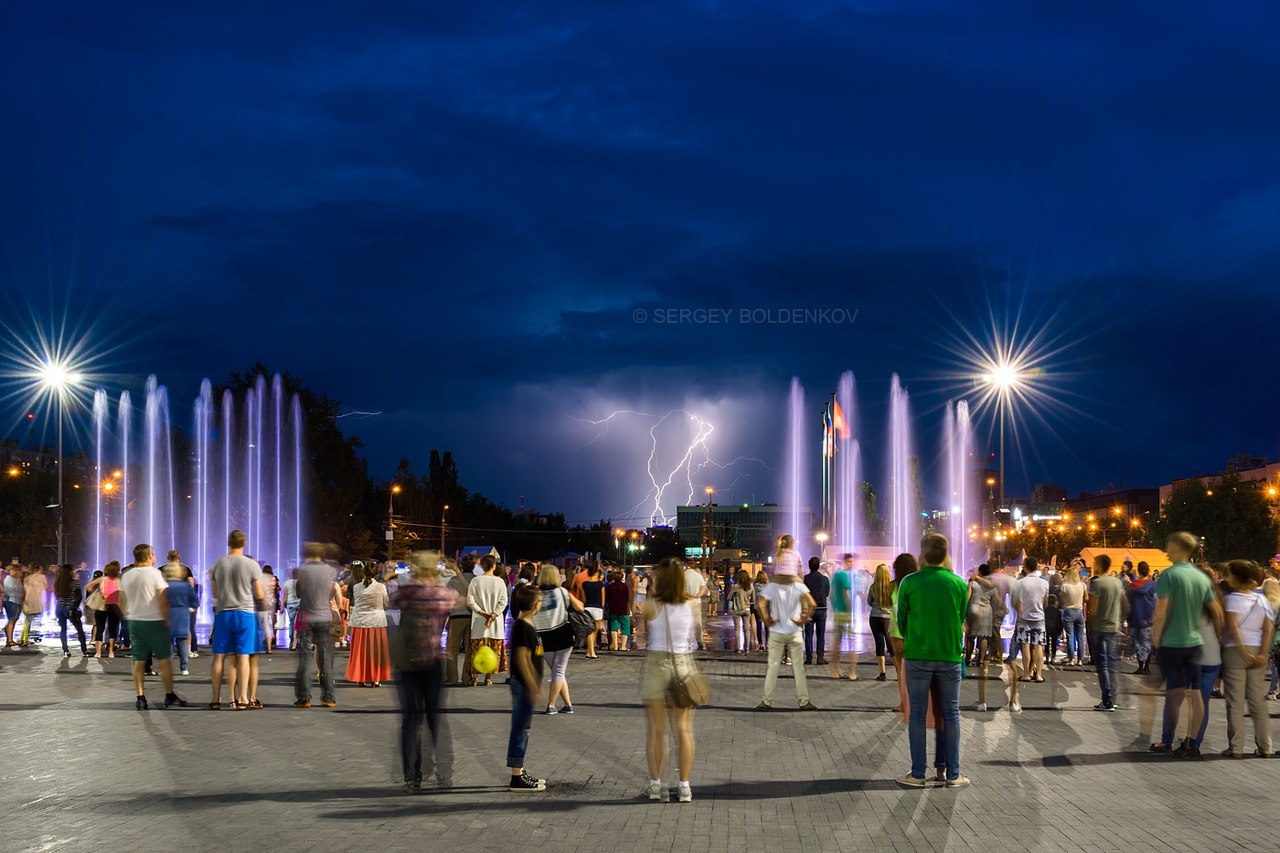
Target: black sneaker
x,y
172,699
526,784
141,704
881,677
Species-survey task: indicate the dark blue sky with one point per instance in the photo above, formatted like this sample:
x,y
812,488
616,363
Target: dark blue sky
x,y
450,214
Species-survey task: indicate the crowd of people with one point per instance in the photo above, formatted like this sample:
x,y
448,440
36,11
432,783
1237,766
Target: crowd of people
x,y
437,623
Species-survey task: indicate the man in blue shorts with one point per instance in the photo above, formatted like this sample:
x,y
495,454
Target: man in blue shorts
x,y
237,587
1183,592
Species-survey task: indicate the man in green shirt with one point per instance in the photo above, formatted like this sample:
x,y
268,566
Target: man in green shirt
x,y
842,611
1107,605
931,608
1183,592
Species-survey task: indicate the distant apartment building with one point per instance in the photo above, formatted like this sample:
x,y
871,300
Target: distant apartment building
x,y
754,528
1248,467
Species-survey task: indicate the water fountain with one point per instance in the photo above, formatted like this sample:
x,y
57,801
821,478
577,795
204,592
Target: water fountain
x,y
961,503
848,477
904,514
796,460
248,463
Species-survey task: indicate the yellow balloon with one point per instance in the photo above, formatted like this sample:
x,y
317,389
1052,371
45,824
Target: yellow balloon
x,y
485,660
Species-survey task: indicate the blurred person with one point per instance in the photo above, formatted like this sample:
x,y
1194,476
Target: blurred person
x,y
1209,659
1142,607
1072,596
1183,592
424,604
459,630
985,610
696,585
96,597
762,629
268,607
741,602
487,597
1004,595
639,580
67,590
786,606
903,566
815,630
1108,605
880,607
526,685
931,607
291,603
14,592
1031,593
617,596
555,634
180,596
1271,591
668,659
317,587
842,616
592,587
237,586
144,599
370,661
35,584
111,595
1249,625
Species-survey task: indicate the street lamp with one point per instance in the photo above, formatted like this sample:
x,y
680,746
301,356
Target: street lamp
x,y
58,379
443,510
1003,378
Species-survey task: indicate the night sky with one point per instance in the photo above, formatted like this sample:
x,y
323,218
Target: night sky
x,y
474,218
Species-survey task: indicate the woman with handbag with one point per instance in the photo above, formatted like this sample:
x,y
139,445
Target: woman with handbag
x,y
671,685
108,587
556,633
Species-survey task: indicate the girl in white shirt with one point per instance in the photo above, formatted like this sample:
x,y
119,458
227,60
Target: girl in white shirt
x,y
1250,625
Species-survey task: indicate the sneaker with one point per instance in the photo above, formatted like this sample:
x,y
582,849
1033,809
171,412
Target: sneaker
x,y
412,786
684,794
808,706
764,706
442,781
910,781
654,791
1103,706
567,709
302,703
328,703
184,672
149,672
172,699
194,655
66,654
526,784
552,711
881,677
1015,708
958,782
978,706
1271,696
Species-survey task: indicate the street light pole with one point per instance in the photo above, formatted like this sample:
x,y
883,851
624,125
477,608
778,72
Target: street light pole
x,y
443,552
61,546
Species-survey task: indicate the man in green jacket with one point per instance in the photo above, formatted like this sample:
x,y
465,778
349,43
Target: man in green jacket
x,y
931,608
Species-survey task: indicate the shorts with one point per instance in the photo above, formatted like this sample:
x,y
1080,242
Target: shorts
x,y
1179,667
12,609
843,623
235,632
1029,634
660,670
620,625
150,639
596,613
266,627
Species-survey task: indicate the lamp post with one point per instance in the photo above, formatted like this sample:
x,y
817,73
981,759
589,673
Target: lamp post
x,y
58,379
443,552
1003,378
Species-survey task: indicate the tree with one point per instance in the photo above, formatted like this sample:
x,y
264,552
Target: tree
x,y
1235,519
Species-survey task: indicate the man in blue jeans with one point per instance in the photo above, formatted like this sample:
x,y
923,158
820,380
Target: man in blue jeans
x,y
1107,608
931,609
315,584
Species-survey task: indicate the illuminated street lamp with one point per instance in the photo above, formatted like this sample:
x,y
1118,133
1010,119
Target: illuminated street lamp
x,y
1002,379
58,378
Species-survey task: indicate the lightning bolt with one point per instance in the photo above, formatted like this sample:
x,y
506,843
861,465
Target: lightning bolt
x,y
695,458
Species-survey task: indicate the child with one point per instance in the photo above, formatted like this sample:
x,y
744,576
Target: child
x,y
526,686
1052,625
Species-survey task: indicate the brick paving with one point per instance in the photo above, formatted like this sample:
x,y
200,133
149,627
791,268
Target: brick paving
x,y
83,770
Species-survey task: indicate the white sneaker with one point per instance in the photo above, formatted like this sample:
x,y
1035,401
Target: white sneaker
x,y
978,706
654,791
184,672
1015,708
684,793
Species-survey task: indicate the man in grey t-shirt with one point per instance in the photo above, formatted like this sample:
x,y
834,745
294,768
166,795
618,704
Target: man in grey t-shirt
x,y
315,585
237,585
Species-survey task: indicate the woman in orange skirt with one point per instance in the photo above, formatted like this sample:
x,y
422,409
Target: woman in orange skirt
x,y
487,598
370,661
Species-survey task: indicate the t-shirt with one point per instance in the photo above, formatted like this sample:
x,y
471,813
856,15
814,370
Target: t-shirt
x,y
233,576
841,591
593,593
693,582
1071,595
291,592
270,586
1250,610
1106,594
618,597
13,589
785,605
142,587
931,608
1030,593
819,587
1187,590
315,590
523,636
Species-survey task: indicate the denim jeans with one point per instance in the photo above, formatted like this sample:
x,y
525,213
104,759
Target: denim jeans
x,y
1105,644
521,718
184,651
291,629
419,703
1073,624
815,634
72,614
1208,675
320,635
921,675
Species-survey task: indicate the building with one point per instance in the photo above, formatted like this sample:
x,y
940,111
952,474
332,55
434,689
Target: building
x,y
1118,508
1269,471
1047,493
753,528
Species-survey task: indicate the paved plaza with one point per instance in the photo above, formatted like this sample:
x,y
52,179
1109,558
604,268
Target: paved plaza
x,y
83,770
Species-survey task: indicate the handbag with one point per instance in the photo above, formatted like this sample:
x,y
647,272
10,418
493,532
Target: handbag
x,y
691,690
581,624
97,601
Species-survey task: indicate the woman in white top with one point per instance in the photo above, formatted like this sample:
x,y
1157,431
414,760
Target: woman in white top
x,y
487,598
370,661
1250,624
671,643
1073,595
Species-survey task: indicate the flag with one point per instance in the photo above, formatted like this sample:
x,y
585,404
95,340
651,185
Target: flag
x,y
838,423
